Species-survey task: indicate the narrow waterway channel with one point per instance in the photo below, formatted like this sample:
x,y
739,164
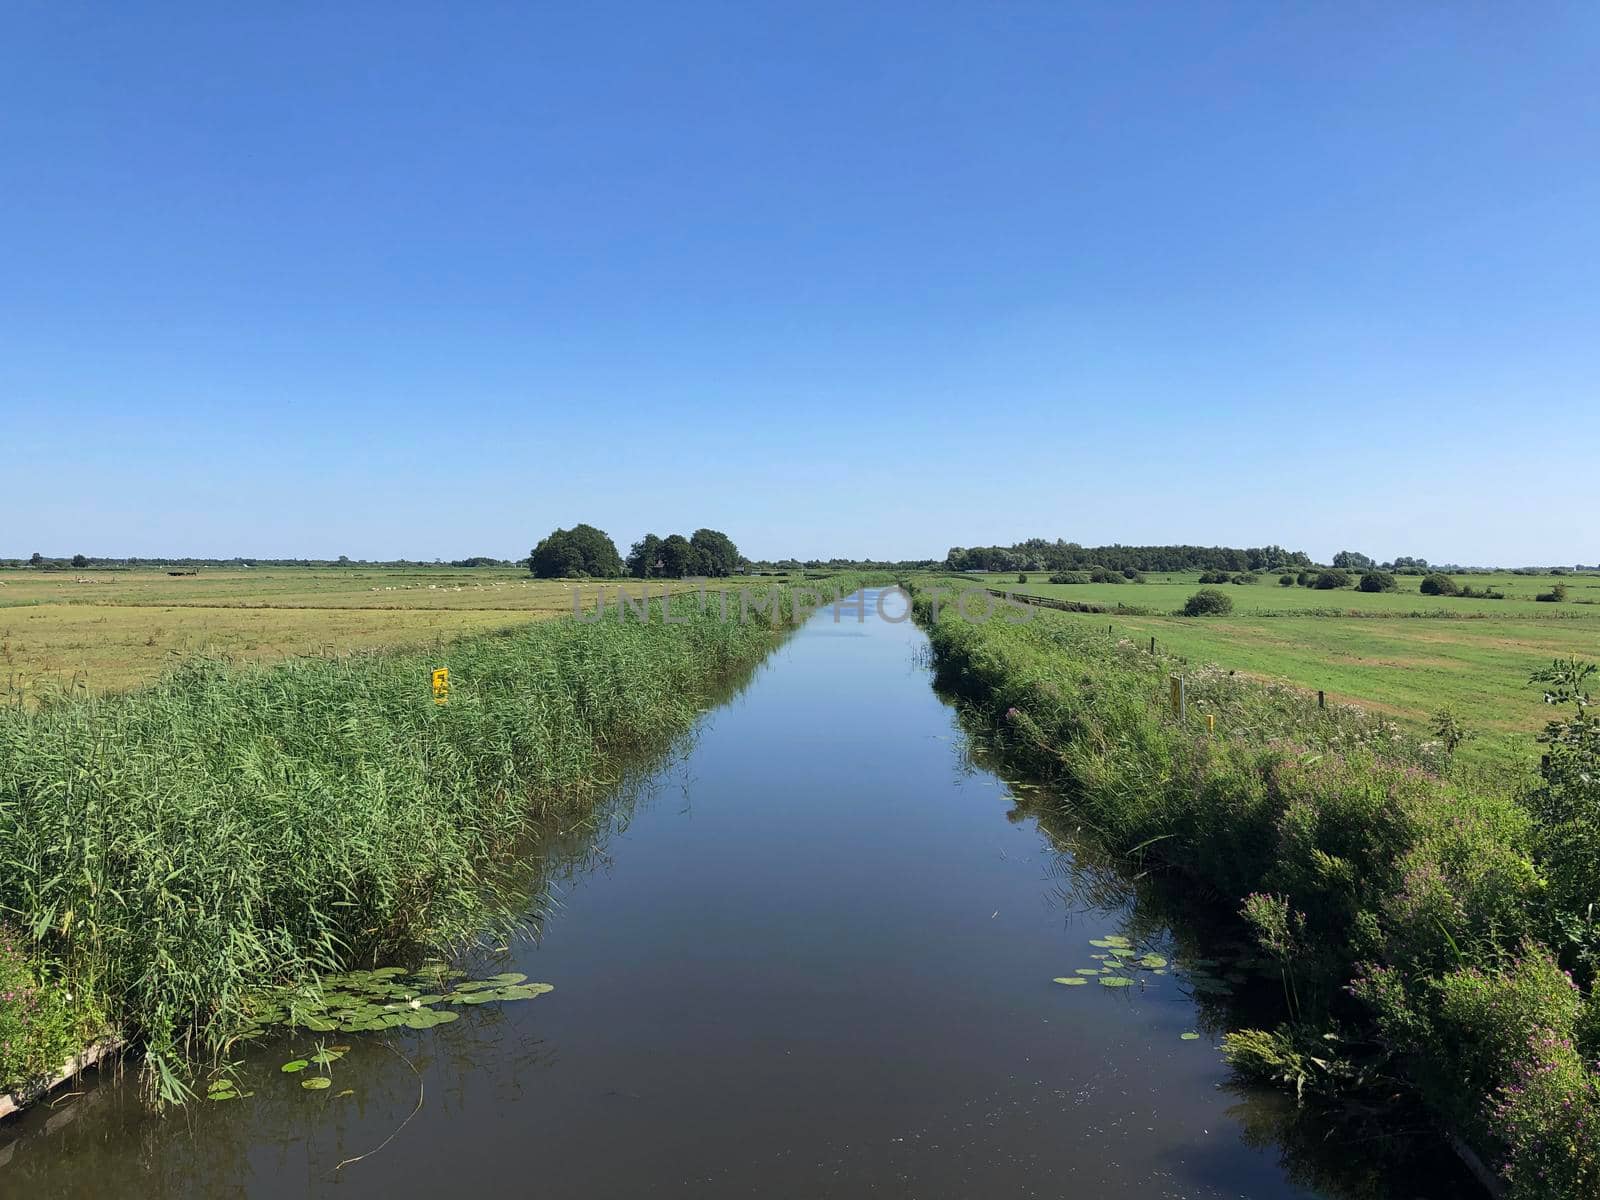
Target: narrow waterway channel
x,y
811,955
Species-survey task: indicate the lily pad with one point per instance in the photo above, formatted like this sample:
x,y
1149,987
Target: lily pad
x,y
297,1064
1116,981
1088,970
324,1057
1070,982
1190,1037
316,1083
1153,961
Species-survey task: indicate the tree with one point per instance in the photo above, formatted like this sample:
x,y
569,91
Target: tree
x,y
1378,581
79,560
680,558
580,552
719,557
1353,560
36,560
644,558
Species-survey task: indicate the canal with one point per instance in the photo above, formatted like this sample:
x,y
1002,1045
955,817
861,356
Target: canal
x,y
812,953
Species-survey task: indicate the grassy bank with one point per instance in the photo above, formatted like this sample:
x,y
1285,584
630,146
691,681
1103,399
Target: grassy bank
x,y
168,852
1405,653
1426,920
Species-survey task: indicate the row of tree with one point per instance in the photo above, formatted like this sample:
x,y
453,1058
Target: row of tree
x,y
584,552
1038,554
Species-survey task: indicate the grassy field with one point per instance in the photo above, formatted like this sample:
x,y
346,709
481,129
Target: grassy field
x,y
108,630
1403,654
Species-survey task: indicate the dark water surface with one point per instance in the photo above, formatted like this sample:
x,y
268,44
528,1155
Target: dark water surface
x,y
812,956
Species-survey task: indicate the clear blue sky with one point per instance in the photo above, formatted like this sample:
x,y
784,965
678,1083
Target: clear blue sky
x,y
861,279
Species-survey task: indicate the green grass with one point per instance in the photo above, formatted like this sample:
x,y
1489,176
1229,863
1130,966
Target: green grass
x,y
1404,655
171,851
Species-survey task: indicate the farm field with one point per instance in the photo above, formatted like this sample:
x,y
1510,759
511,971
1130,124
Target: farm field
x,y
109,630
1402,654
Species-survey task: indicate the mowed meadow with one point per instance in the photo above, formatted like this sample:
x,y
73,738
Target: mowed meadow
x,y
100,630
1403,654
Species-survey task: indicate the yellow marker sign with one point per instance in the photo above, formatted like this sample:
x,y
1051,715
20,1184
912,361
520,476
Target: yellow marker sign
x,y
441,686
1211,723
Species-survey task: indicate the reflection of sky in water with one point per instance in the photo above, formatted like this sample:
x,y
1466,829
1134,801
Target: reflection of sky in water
x,y
810,955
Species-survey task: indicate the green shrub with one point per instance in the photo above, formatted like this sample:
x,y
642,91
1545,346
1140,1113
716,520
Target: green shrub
x,y
1286,580
1547,1117
1215,577
1555,595
1378,581
1132,576
1021,577
1437,584
1101,575
40,1026
1208,602
1070,577
1305,579
1330,580
1246,577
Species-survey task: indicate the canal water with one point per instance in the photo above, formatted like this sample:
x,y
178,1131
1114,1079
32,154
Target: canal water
x,y
811,955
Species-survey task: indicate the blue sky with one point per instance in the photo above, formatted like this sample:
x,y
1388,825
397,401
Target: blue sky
x,y
866,279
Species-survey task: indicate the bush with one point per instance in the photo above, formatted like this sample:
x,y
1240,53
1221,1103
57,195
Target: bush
x,y
1378,581
1101,575
1285,580
1132,576
1208,602
1215,577
1246,578
1555,595
39,1030
1021,577
1327,581
1070,577
1439,585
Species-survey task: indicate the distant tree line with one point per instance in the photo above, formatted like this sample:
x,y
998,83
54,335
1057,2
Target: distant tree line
x,y
90,562
1038,554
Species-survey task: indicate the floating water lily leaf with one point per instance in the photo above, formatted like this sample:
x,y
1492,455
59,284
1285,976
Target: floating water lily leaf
x,y
1152,961
1070,982
298,1064
509,977
1124,951
528,991
324,1057
1116,981
1190,1037
1088,970
316,1083
1113,939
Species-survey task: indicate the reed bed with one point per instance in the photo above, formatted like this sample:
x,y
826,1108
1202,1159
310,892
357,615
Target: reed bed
x,y
169,852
